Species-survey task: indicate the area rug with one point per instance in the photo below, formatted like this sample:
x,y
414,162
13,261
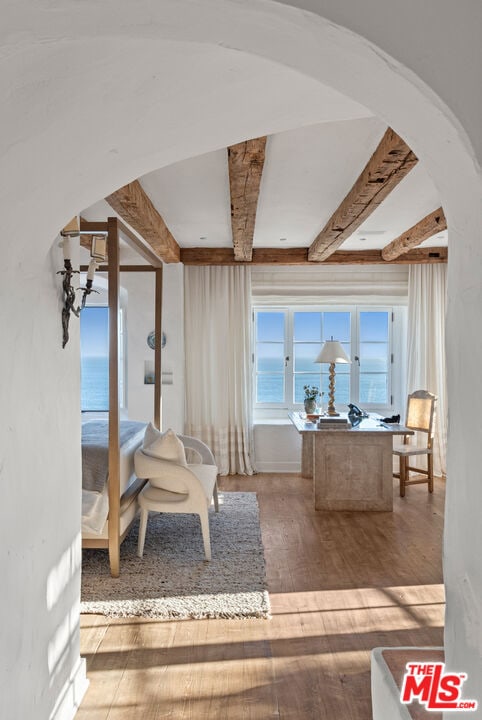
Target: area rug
x,y
173,581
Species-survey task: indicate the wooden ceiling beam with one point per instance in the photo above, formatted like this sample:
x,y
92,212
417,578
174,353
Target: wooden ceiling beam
x,y
136,208
245,163
390,163
299,256
423,230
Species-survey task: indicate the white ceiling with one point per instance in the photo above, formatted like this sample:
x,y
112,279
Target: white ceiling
x,y
307,173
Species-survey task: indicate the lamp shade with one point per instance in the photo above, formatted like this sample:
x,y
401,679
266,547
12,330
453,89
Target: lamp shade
x,y
332,352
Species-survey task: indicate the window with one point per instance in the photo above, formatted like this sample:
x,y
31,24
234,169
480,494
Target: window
x,y
94,359
270,356
288,339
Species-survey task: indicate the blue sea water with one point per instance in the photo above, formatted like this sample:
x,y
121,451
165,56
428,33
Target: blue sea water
x,y
269,386
373,383
94,383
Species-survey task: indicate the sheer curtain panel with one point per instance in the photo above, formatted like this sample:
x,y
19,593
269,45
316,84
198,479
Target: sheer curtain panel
x,y
218,364
427,291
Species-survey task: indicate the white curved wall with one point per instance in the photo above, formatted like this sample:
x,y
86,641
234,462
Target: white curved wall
x,y
94,95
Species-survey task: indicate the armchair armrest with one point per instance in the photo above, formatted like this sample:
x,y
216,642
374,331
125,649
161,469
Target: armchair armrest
x,y
200,447
167,475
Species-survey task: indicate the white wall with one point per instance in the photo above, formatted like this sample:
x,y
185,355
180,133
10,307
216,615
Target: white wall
x,y
41,674
277,447
140,322
96,94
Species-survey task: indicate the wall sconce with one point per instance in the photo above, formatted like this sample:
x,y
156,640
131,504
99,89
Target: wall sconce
x,y
98,253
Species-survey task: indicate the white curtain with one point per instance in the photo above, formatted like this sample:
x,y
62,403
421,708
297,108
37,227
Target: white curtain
x,y
218,363
427,292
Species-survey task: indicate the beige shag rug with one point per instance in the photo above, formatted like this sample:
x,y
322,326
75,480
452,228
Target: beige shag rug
x,y
173,581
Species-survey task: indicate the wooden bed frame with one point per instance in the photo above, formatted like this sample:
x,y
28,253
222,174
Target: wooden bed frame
x,y
119,505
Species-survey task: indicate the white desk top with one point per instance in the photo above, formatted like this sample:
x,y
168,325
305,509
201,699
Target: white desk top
x,y
371,424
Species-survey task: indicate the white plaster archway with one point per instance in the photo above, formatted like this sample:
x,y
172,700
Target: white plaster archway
x,y
96,96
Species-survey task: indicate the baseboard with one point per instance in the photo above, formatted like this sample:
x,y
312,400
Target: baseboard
x,y
72,693
273,467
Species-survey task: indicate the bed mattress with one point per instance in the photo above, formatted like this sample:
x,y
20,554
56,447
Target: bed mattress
x,y
95,505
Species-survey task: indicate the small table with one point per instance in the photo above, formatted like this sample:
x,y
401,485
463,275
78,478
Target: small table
x,y
352,467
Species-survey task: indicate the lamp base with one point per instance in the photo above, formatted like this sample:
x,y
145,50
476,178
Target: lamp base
x,y
331,395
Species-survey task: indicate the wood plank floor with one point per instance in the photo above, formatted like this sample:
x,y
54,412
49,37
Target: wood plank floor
x,y
340,584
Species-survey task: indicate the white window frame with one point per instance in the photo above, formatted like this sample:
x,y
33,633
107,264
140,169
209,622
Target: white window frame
x,y
396,356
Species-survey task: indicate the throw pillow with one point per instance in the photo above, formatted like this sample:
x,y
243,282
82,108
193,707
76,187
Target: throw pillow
x,y
165,446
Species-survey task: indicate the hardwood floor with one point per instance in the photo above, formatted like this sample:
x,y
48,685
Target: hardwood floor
x,y
340,584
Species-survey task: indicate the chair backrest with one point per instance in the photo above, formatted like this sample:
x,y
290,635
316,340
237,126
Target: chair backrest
x,y
420,411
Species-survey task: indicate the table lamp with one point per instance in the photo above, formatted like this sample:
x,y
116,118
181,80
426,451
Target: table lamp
x,y
332,352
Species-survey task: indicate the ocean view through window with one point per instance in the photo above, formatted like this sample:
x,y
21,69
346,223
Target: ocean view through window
x,y
94,358
288,339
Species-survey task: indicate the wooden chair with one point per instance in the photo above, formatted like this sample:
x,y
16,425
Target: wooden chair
x,y
420,414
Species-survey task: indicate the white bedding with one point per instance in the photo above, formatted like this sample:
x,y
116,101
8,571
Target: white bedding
x,y
95,506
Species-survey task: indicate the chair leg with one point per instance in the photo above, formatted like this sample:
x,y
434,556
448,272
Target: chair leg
x,y
215,497
430,472
142,532
403,474
203,516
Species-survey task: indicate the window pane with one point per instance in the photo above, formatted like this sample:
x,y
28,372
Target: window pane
x,y
307,327
374,326
270,326
374,388
336,324
305,354
373,357
302,380
270,388
94,358
270,357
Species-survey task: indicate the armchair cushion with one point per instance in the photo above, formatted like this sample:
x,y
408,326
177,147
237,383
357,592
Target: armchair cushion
x,y
196,480
163,474
164,446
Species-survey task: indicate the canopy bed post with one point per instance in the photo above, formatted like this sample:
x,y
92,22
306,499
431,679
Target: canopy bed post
x,y
158,351
114,417
123,487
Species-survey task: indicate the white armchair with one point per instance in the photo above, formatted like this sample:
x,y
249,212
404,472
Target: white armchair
x,y
178,488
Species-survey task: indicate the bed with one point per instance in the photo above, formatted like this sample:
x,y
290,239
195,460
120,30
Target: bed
x,y
95,491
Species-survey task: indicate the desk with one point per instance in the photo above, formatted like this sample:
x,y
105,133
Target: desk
x,y
352,467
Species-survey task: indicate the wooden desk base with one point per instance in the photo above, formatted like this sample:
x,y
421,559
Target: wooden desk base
x,y
353,470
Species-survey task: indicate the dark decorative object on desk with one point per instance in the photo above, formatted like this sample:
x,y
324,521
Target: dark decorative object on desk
x,y
395,420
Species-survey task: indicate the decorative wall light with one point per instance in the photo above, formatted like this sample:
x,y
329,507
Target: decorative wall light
x,y
98,253
332,352
69,290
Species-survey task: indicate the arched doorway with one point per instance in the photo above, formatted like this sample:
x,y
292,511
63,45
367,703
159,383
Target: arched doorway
x,y
90,107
